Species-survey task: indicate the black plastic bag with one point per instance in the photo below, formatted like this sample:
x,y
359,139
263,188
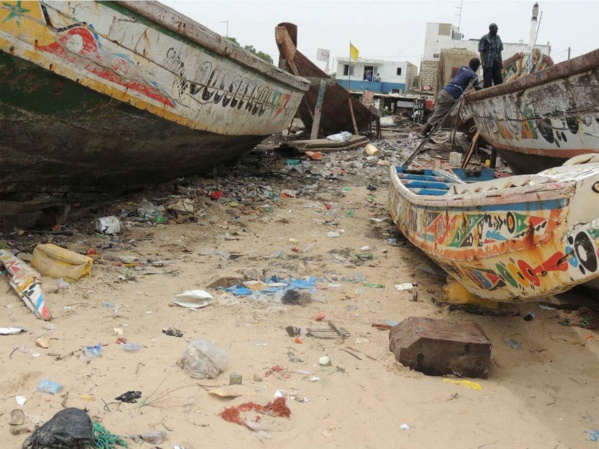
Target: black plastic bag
x,y
70,428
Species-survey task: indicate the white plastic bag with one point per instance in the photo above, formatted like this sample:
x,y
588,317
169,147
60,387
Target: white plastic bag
x,y
343,136
202,359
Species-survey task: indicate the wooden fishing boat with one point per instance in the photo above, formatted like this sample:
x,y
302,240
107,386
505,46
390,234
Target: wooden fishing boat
x,y
543,119
338,105
105,96
513,239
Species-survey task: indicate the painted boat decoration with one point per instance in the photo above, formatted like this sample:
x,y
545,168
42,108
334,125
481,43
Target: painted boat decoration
x,y
543,119
336,112
27,283
513,239
109,96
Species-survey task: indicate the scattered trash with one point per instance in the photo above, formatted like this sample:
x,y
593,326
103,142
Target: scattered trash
x,y
465,383
11,330
332,234
104,439
47,386
21,400
370,285
298,297
172,332
182,207
194,299
512,343
109,225
404,287
330,333
235,379
69,428
148,210
314,155
26,282
131,347
320,316
93,351
324,361
87,397
384,325
232,391
592,435
404,426
529,316
582,317
24,349
278,408
56,262
371,150
290,396
129,397
343,136
202,359
153,437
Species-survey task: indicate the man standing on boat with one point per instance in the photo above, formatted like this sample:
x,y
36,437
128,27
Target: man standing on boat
x,y
448,96
490,48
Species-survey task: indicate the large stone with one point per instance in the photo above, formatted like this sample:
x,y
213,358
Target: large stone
x,y
439,347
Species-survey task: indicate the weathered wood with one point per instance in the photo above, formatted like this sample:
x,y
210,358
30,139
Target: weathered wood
x,y
318,110
353,117
470,152
438,347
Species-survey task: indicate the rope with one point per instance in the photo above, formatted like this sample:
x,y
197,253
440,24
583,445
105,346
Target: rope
x,y
103,439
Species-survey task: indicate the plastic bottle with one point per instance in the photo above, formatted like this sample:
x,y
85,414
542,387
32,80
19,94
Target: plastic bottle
x,y
368,284
154,437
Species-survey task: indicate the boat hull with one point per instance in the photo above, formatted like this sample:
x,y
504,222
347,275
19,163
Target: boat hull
x,y
508,243
542,119
101,96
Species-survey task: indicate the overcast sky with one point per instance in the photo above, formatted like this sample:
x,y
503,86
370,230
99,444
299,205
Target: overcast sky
x,y
394,29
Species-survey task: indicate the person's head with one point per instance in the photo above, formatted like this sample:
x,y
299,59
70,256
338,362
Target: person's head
x,y
474,64
493,29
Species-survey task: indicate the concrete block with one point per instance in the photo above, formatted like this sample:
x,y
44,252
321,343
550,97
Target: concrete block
x,y
439,347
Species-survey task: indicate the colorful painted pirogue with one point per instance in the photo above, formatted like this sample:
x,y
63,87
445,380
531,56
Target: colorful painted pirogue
x,y
540,120
98,96
514,239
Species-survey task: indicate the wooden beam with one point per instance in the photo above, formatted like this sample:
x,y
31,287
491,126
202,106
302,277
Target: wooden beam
x,y
353,117
318,110
286,47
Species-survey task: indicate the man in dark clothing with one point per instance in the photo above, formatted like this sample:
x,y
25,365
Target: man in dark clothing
x,y
490,48
451,93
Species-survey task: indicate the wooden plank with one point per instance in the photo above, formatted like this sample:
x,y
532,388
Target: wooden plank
x,y
353,117
470,152
286,47
318,110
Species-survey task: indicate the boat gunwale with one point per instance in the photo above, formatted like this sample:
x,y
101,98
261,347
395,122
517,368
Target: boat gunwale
x,y
583,63
194,31
550,191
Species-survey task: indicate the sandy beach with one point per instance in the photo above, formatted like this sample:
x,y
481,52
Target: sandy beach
x,y
279,220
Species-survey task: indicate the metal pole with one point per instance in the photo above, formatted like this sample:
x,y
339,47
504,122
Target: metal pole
x,y
227,22
568,52
349,68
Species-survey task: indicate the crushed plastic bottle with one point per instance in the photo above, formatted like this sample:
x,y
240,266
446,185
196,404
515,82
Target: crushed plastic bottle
x,y
93,351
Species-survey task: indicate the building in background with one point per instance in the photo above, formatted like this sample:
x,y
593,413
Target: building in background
x,y
387,76
445,36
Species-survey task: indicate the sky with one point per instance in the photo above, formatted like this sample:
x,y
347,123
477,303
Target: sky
x,y
393,29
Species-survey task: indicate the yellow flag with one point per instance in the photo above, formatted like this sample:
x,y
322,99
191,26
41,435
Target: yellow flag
x,y
353,52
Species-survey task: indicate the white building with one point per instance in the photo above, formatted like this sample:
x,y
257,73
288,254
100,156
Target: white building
x,y
387,76
444,36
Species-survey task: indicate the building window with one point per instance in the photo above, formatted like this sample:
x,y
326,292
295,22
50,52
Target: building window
x,y
399,71
436,56
348,70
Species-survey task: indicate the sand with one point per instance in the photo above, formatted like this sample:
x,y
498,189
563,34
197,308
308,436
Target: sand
x,y
542,396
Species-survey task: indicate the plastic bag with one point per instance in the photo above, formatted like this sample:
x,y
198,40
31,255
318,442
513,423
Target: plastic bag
x,y
202,359
69,428
343,136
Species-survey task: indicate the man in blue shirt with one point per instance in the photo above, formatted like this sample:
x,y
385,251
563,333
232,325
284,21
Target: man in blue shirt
x,y
451,93
490,48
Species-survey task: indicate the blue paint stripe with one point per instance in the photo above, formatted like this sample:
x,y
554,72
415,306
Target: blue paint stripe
x,y
39,303
529,206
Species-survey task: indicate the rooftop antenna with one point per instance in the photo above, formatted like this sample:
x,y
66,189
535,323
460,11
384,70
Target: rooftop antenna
x,y
459,14
227,22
